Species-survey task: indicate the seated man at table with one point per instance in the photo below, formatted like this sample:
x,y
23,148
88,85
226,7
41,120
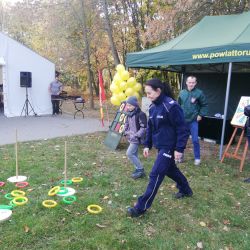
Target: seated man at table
x,y
55,88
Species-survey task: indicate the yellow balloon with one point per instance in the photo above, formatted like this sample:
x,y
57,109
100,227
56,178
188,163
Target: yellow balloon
x,y
117,82
117,78
123,85
125,75
137,95
137,87
131,81
114,88
129,92
115,100
120,68
122,97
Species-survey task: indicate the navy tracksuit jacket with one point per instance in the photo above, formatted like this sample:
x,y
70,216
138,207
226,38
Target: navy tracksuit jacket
x,y
167,132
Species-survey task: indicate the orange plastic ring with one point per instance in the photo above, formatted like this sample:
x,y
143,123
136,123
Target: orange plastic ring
x,y
22,184
2,183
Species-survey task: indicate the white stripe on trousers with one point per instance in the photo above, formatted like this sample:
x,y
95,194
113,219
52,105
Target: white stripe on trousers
x,y
152,192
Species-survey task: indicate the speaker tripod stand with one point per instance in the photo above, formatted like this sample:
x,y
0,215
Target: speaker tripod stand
x,y
27,105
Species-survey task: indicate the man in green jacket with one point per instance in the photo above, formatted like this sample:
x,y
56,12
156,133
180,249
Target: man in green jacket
x,y
194,105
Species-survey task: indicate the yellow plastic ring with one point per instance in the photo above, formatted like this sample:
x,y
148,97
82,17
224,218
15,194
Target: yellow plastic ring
x,y
20,200
94,209
49,203
53,191
18,193
77,179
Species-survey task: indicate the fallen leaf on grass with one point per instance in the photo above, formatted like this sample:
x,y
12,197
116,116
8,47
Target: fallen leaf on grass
x,y
149,231
203,224
94,163
226,222
100,226
228,248
225,228
199,245
105,197
26,229
69,211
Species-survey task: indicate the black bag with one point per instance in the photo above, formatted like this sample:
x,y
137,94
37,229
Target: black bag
x,y
247,111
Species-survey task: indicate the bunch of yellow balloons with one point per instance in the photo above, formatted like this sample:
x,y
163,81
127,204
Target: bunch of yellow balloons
x,y
123,86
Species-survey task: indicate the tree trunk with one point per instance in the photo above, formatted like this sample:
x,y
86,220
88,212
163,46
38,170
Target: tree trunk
x,y
110,33
87,52
135,21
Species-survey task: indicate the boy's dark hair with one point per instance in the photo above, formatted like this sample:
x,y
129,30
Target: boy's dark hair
x,y
247,111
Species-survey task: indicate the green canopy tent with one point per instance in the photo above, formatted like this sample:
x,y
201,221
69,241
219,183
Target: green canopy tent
x,y
215,39
217,44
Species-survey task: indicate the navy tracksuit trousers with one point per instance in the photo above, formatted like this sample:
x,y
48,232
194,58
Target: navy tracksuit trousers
x,y
164,165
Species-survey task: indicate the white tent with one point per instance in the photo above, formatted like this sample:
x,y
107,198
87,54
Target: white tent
x,y
14,59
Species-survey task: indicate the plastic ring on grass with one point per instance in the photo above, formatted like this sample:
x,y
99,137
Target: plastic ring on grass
x,y
68,182
63,190
9,196
77,179
20,200
69,199
17,193
49,203
6,207
2,183
12,204
53,191
22,184
94,209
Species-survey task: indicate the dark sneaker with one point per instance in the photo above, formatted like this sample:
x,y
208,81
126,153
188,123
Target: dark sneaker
x,y
138,174
133,212
180,195
247,180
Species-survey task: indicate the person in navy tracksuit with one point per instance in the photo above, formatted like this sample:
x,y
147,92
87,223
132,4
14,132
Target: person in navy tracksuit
x,y
167,132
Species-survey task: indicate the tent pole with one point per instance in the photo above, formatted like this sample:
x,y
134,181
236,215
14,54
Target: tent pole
x,y
225,108
183,69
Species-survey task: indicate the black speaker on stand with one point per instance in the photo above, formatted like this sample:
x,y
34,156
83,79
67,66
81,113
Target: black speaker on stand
x,y
26,82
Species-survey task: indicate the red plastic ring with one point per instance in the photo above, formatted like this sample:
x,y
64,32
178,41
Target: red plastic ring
x,y
2,183
22,184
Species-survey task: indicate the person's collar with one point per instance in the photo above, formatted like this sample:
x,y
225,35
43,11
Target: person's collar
x,y
159,99
131,113
191,89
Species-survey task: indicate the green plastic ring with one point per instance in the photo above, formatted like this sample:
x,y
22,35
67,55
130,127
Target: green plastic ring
x,y
6,207
69,199
12,204
63,190
68,182
9,196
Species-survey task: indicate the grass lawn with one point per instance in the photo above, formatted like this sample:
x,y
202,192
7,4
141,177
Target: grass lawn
x,y
216,217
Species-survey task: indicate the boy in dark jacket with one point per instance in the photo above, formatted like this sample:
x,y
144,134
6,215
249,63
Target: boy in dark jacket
x,y
135,130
